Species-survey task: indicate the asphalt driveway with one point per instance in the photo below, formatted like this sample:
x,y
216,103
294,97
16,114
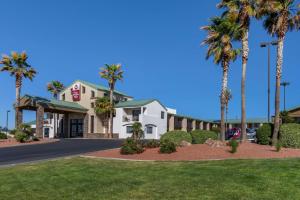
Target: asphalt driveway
x,y
64,147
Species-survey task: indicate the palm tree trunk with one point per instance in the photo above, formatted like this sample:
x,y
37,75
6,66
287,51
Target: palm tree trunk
x,y
277,92
111,92
18,94
224,88
245,46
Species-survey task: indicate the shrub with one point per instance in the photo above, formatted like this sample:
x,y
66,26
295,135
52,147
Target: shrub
x,y
34,138
177,137
278,146
152,144
167,146
263,134
290,135
217,130
3,136
13,132
21,136
234,145
200,136
131,146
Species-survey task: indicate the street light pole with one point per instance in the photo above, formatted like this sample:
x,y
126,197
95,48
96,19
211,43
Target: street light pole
x,y
8,111
268,44
284,84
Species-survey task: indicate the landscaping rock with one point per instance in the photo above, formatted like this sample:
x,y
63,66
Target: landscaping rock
x,y
215,143
184,143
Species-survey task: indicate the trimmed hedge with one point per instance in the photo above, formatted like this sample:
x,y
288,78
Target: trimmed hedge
x,y
263,134
290,135
177,137
200,136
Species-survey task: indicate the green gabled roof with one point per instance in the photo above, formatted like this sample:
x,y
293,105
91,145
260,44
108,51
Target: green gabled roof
x,y
56,103
136,103
31,123
98,87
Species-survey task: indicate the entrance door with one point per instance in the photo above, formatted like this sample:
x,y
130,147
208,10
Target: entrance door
x,y
76,128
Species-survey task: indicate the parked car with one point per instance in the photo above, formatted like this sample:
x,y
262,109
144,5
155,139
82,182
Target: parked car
x,y
251,134
233,133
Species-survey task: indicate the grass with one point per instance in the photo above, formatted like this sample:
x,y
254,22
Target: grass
x,y
83,178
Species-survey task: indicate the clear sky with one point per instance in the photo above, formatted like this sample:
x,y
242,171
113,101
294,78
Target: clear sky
x,y
158,43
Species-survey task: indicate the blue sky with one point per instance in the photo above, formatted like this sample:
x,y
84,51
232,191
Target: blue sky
x,y
158,43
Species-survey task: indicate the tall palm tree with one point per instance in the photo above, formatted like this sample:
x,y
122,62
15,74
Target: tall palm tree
x,y
55,87
241,12
103,107
112,73
220,46
16,64
228,97
280,16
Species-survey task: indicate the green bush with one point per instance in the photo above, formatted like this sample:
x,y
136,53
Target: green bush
x,y
167,146
217,130
13,132
290,135
177,137
151,144
278,146
200,136
3,136
34,138
21,136
263,134
234,145
130,146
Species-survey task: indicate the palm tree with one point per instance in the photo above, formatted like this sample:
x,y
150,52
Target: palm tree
x,y
280,16
55,87
16,64
220,46
112,73
137,131
241,12
228,97
103,107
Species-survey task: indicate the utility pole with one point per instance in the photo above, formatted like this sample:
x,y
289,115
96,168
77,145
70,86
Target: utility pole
x,y
269,44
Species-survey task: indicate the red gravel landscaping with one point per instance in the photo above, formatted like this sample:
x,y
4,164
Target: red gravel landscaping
x,y
13,142
204,152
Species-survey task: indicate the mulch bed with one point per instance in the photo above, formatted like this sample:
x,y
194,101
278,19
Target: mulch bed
x,y
204,152
12,142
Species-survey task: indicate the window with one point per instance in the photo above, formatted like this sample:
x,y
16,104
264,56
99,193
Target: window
x,y
149,129
83,90
63,97
92,94
92,123
162,115
129,129
92,105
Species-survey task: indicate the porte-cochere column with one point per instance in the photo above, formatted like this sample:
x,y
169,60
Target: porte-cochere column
x,y
39,122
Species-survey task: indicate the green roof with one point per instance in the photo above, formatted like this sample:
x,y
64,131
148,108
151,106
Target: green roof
x,y
99,87
31,123
136,103
193,118
293,108
56,103
249,120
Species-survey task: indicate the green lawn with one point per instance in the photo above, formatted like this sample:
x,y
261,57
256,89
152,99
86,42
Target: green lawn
x,y
83,178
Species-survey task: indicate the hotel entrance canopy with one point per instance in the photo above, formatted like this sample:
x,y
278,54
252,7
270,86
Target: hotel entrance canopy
x,y
42,105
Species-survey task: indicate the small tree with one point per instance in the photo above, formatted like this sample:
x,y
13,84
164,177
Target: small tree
x,y
285,118
137,131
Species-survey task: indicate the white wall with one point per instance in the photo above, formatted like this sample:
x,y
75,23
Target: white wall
x,y
151,117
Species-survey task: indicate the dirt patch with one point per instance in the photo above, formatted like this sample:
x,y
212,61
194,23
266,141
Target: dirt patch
x,y
12,142
204,152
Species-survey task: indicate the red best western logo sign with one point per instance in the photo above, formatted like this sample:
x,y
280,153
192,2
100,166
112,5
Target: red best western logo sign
x,y
75,91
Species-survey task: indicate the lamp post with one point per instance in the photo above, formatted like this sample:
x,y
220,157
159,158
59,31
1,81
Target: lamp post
x,y
268,45
284,84
7,112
